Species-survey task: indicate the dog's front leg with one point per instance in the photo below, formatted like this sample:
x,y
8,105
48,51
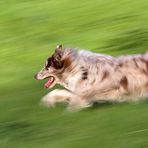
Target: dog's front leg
x,y
78,103
55,96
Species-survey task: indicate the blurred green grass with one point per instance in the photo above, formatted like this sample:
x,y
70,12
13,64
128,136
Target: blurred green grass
x,y
29,31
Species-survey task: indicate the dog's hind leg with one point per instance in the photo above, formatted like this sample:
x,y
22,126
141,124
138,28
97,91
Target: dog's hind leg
x,y
55,96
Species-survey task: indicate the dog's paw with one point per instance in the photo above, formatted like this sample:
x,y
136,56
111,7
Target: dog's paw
x,y
78,107
47,102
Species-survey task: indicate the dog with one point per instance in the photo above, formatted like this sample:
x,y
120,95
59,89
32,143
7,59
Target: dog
x,y
89,77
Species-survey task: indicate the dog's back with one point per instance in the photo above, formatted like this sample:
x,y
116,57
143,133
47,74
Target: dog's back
x,y
117,77
112,78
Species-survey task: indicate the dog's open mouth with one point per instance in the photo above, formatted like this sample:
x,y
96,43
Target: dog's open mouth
x,y
49,82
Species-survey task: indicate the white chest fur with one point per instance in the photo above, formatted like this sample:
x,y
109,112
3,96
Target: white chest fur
x,y
72,81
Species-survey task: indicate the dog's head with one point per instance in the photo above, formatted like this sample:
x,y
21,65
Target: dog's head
x,y
53,66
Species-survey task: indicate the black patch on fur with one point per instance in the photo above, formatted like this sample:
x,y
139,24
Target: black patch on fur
x,y
84,77
84,73
52,61
48,63
57,64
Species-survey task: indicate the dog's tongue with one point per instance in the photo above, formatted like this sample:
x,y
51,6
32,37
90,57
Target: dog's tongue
x,y
49,82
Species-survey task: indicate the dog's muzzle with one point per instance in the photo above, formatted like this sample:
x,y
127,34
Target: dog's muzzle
x,y
38,76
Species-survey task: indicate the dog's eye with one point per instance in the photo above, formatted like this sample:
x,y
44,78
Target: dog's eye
x,y
47,66
48,63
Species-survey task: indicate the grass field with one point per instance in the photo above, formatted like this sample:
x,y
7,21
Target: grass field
x,y
29,31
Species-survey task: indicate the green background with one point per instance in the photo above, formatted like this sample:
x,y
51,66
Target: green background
x,y
29,32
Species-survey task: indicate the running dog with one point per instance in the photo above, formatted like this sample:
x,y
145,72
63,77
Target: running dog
x,y
89,77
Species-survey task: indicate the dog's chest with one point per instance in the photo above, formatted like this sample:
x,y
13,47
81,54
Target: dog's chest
x,y
71,82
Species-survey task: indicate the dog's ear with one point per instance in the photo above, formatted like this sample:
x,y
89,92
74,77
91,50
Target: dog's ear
x,y
58,53
57,57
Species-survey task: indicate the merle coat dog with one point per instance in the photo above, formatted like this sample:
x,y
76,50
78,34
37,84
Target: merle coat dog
x,y
89,77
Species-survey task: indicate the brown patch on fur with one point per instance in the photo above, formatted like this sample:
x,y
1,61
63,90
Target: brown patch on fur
x,y
120,64
135,62
67,62
144,71
117,67
105,75
124,82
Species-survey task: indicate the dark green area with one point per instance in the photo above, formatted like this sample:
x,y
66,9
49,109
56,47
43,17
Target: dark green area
x,y
29,32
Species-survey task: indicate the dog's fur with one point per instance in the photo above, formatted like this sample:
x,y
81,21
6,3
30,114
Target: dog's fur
x,y
89,77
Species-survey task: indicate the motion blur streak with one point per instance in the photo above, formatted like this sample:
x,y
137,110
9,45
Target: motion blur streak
x,y
28,31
